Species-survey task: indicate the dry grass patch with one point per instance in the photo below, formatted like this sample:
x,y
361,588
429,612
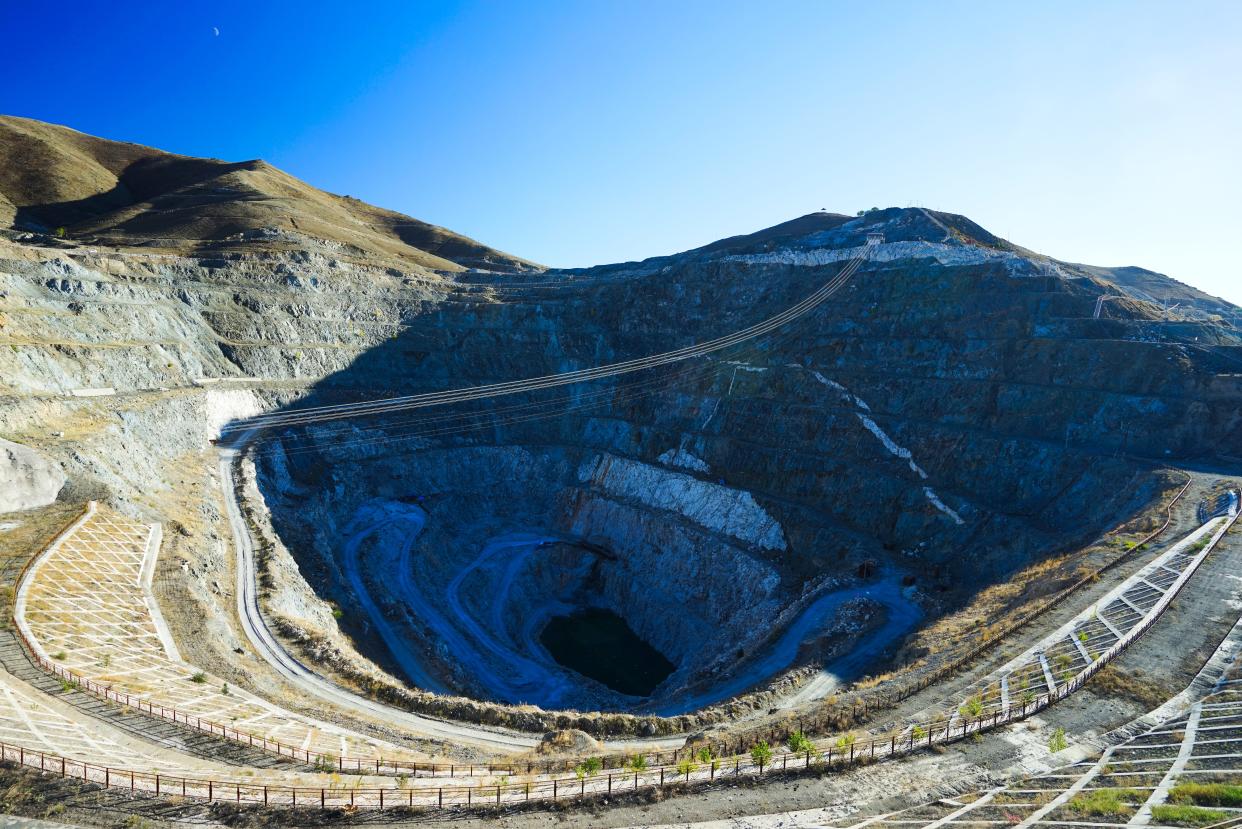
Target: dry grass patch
x,y
1114,682
1106,802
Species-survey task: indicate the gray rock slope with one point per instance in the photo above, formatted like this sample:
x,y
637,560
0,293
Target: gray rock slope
x,y
27,478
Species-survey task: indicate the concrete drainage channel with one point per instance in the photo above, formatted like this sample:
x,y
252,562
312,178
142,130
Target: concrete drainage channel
x,y
515,785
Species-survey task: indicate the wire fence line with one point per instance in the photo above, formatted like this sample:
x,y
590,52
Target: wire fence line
x,y
391,767
843,752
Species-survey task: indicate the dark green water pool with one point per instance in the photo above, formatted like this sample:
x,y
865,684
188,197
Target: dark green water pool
x,y
598,643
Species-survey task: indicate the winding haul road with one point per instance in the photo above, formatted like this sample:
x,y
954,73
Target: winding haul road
x,y
302,676
236,436
305,679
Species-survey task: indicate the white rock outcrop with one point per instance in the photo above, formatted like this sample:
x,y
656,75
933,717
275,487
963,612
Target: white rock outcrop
x,y
27,479
715,507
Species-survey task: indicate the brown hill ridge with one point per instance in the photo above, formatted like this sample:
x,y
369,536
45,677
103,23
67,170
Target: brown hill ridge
x,y
127,195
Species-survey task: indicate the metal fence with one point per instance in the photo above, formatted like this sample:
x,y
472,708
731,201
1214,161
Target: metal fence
x,y
382,766
499,792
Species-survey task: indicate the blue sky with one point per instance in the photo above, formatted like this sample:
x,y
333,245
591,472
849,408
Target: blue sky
x,y
586,132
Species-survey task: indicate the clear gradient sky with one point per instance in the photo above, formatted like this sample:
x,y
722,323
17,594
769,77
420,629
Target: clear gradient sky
x,y
578,133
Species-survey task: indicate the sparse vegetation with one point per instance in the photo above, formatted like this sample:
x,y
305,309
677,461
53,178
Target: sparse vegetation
x,y
1114,682
799,743
687,766
589,767
1182,815
1106,802
706,756
1057,741
1207,794
972,707
761,754
199,677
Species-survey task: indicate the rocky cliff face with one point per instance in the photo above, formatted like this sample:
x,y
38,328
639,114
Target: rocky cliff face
x,y
27,479
954,413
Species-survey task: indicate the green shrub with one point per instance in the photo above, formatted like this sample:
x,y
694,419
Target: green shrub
x,y
799,743
1106,802
1057,741
707,756
1183,815
637,763
686,766
589,767
761,753
972,707
1206,794
199,677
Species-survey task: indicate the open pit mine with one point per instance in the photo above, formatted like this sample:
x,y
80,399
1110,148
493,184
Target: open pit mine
x,y
309,509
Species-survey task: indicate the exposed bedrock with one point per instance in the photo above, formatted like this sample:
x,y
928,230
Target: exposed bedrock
x,y
803,501
950,416
456,559
27,479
